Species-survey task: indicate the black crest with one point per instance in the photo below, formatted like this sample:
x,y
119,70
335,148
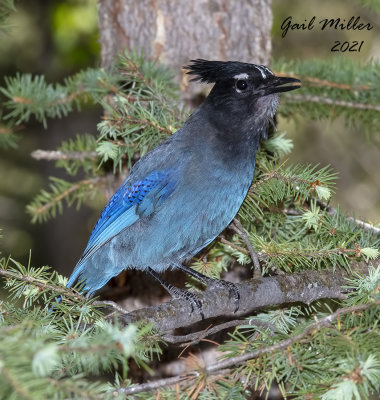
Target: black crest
x,y
212,71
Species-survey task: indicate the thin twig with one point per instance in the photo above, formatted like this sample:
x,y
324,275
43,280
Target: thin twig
x,y
291,211
52,155
44,286
293,252
238,360
67,192
111,304
239,229
326,321
196,337
333,102
149,386
142,122
330,210
62,99
5,131
72,96
233,245
137,71
323,82
276,175
364,225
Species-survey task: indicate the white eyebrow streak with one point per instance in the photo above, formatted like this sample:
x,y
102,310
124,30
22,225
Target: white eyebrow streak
x,y
241,76
267,69
260,68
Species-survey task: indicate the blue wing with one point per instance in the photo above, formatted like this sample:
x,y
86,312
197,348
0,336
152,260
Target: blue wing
x,y
125,207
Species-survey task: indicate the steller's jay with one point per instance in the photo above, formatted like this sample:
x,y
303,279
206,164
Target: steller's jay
x,y
184,192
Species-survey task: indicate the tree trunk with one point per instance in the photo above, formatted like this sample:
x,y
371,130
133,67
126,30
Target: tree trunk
x,y
173,32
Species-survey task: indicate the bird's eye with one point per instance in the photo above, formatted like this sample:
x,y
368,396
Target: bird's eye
x,y
241,84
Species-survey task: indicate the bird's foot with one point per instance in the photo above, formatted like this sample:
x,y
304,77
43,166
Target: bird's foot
x,y
210,282
191,298
233,291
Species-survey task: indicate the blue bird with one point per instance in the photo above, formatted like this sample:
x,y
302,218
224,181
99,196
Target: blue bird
x,y
183,193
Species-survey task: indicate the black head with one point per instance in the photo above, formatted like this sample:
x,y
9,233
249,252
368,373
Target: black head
x,y
259,80
246,91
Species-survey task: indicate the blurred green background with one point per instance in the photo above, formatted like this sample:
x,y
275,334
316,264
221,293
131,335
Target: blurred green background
x,y
58,38
354,155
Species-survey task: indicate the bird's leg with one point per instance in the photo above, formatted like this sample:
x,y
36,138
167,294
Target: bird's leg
x,y
232,289
178,293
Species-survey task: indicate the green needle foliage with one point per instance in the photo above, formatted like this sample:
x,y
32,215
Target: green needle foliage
x,y
334,88
6,8
372,5
29,95
74,351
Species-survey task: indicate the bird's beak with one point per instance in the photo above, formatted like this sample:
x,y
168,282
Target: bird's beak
x,y
277,85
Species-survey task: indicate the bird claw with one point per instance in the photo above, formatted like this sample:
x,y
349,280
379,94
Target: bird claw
x,y
191,298
233,291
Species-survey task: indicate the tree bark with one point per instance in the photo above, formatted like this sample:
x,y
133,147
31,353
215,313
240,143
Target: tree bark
x,y
257,294
174,31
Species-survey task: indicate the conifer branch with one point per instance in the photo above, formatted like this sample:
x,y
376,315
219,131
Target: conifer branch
x,y
281,219
308,253
112,304
223,240
314,81
68,386
31,96
62,100
53,155
256,294
361,224
6,8
135,71
46,204
159,383
41,210
334,88
326,321
367,227
30,280
219,366
96,348
6,131
12,380
8,137
196,337
285,176
334,102
141,122
239,229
